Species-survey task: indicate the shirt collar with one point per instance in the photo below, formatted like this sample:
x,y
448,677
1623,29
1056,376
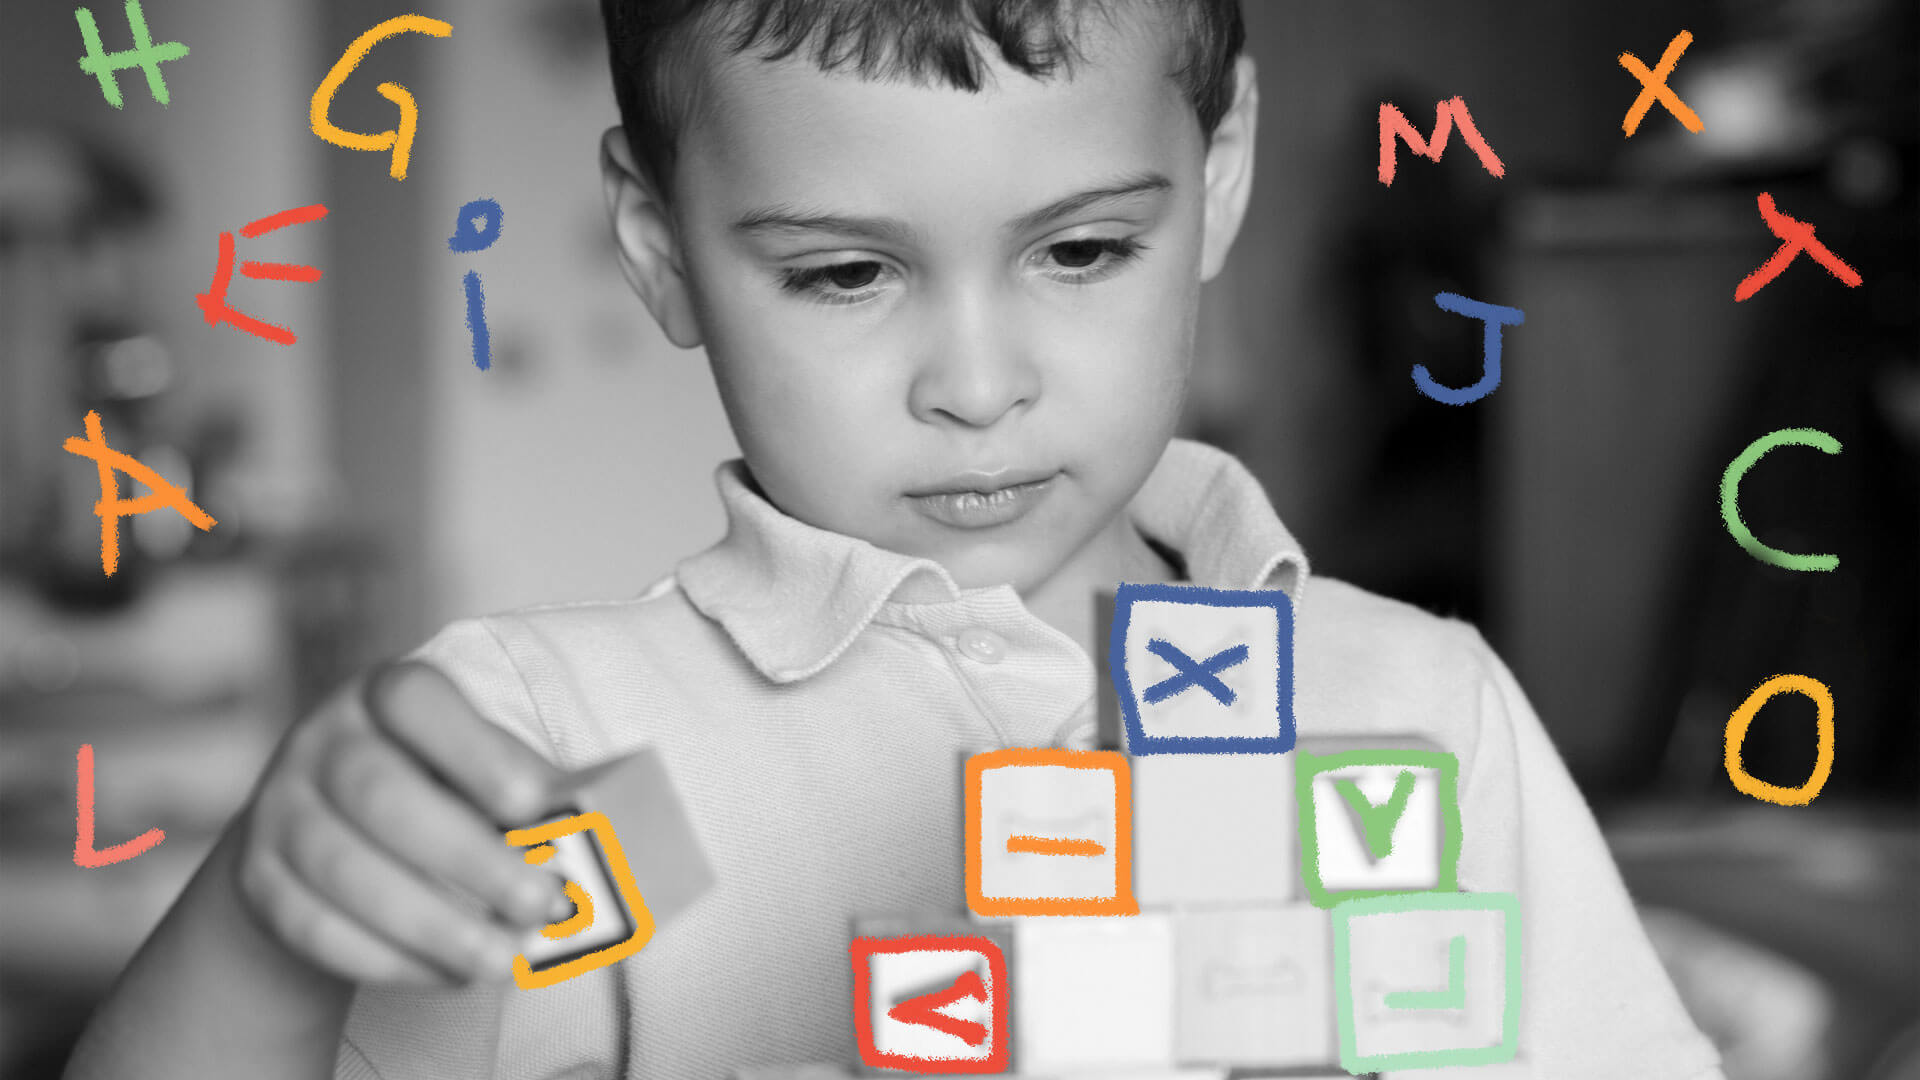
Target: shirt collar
x,y
793,596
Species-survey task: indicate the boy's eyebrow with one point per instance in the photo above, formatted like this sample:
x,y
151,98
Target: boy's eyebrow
x,y
784,218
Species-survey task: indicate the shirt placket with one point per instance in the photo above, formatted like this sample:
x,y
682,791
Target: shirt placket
x,y
1032,685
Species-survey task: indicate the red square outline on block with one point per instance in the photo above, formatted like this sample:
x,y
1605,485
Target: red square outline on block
x,y
862,951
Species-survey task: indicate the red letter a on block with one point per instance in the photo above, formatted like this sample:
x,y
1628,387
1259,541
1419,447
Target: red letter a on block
x,y
1445,115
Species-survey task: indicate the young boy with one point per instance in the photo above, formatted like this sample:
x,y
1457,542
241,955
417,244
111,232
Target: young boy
x,y
944,259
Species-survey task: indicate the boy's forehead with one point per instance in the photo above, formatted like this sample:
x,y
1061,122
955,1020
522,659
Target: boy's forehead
x,y
763,126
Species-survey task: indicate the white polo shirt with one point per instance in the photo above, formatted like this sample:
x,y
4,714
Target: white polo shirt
x,y
813,694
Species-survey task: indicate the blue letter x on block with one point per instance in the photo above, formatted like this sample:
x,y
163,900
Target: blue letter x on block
x,y
1236,645
1199,674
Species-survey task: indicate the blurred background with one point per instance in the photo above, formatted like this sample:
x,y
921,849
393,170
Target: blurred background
x,y
370,484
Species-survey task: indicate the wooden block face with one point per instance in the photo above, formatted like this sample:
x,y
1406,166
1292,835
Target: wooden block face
x,y
1427,979
935,1002
1377,821
1198,670
577,858
1049,831
1093,994
610,920
630,860
1255,986
1214,829
932,924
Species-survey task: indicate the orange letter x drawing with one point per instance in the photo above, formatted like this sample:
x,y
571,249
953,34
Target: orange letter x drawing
x,y
111,506
1653,87
1795,237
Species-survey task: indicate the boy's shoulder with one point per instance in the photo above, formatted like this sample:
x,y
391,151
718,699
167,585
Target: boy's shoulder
x,y
661,606
538,670
1366,664
1339,614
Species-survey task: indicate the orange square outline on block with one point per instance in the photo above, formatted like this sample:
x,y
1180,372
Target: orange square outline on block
x,y
1122,901
600,830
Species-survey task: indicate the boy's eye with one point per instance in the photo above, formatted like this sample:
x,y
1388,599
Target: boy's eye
x,y
1078,253
833,283
1093,258
855,275
1075,262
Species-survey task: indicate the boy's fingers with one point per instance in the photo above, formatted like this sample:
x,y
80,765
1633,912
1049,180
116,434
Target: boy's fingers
x,y
324,937
423,711
382,792
369,888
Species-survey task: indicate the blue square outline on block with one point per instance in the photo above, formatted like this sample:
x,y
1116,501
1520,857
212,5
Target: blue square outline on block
x,y
1139,743
1507,904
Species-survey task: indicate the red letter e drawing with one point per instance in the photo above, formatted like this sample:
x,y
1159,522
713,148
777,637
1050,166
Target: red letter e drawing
x,y
83,851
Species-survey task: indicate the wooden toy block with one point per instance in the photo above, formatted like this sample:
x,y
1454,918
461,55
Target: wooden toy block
x,y
1093,994
1214,829
636,794
921,967
625,821
1255,986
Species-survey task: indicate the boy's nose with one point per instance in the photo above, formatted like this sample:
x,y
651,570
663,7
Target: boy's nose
x,y
974,368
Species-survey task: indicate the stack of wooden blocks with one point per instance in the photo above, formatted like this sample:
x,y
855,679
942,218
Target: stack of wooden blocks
x,y
1198,895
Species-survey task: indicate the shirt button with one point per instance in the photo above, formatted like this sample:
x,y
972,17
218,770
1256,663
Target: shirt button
x,y
983,645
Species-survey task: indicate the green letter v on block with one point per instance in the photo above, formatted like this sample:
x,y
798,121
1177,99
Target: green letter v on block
x,y
1377,822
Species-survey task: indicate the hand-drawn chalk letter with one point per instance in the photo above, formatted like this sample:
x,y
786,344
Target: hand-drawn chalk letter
x,y
1445,115
400,139
1495,317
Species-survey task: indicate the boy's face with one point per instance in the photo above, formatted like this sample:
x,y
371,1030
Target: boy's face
x,y
904,290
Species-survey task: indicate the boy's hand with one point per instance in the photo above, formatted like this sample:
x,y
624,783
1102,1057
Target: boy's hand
x,y
376,813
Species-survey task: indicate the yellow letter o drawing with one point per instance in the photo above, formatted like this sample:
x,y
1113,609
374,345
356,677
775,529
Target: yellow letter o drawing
x,y
1737,736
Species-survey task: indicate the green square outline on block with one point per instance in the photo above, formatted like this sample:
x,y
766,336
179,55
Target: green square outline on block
x,y
1509,1046
1307,765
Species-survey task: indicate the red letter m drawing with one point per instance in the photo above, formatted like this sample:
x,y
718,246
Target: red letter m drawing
x,y
1445,115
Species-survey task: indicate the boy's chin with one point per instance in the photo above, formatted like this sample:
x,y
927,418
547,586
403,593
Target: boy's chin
x,y
985,569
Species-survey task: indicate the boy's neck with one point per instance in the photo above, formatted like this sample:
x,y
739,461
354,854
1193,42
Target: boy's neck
x,y
1065,601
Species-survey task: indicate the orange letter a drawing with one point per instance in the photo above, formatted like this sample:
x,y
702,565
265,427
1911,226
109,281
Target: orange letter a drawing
x,y
1445,114
111,506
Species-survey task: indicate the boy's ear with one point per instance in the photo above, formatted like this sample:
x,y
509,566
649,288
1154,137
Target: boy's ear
x,y
1230,170
649,248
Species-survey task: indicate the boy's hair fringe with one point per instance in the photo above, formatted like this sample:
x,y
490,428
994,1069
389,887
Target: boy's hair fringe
x,y
652,45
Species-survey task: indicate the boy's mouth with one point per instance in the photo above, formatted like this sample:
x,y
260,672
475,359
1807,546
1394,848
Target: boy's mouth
x,y
978,500
982,483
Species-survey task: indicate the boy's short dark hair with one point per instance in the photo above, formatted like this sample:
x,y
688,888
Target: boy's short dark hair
x,y
651,44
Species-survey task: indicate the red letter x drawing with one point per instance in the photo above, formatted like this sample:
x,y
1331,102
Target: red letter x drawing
x,y
1795,237
214,301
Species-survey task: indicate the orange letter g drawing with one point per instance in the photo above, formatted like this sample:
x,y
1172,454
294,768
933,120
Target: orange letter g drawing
x,y
399,140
